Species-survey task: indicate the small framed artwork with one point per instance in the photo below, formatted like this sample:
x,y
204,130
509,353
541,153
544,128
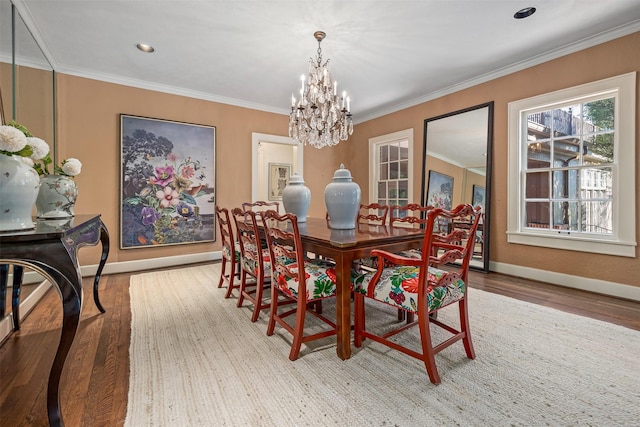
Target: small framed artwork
x,y
478,197
439,190
279,174
167,182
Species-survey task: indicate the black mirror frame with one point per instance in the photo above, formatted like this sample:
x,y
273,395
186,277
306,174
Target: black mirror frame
x,y
488,178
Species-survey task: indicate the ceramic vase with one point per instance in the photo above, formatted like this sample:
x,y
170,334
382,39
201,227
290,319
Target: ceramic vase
x,y
342,199
57,197
18,191
296,197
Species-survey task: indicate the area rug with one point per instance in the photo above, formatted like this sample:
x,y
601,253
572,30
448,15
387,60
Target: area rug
x,y
197,360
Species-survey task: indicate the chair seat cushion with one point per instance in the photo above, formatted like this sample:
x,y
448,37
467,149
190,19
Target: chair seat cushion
x,y
320,280
226,253
251,266
398,286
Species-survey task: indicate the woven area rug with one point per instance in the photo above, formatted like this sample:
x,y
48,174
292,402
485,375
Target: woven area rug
x,y
197,360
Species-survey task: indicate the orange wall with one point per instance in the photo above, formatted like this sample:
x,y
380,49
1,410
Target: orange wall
x,y
610,59
89,130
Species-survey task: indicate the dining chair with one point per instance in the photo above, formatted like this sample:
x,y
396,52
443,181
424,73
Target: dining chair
x,y
230,251
261,205
306,282
422,287
255,262
377,218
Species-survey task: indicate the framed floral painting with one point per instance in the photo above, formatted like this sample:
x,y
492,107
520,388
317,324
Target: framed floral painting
x,y
440,190
167,185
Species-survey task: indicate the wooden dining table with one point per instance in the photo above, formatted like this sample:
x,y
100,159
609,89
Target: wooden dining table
x,y
346,246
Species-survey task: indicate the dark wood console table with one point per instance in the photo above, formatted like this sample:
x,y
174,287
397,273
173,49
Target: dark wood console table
x,y
51,249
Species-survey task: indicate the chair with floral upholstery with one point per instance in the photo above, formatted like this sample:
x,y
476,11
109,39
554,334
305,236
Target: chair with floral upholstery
x,y
261,205
255,262
379,217
422,287
230,251
289,266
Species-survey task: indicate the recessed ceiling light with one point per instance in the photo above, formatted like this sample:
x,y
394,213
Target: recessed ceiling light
x,y
525,13
145,47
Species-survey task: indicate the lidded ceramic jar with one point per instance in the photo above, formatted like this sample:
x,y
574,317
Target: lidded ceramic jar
x,y
342,199
57,197
296,197
19,185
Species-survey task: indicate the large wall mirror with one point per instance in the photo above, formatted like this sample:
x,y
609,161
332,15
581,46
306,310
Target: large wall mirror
x,y
27,95
456,167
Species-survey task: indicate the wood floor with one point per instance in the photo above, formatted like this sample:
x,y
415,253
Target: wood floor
x,y
95,380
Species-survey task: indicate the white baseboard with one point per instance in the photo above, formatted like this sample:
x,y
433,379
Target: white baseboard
x,y
613,289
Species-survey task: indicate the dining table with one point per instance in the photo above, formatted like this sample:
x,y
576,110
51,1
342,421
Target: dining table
x,y
346,246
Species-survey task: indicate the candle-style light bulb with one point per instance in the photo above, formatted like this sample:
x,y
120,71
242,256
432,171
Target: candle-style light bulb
x,y
348,104
335,88
344,95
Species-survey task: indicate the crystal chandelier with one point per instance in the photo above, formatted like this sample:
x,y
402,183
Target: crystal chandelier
x,y
320,118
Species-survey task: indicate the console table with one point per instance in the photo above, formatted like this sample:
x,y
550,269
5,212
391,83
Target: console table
x,y
51,250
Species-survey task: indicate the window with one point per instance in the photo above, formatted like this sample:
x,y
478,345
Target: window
x,y
571,168
390,168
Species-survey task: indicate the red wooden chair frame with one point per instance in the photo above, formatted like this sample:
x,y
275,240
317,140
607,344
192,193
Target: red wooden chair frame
x,y
452,251
285,245
228,251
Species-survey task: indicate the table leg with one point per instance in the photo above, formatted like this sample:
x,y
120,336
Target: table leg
x,y
343,305
18,274
104,239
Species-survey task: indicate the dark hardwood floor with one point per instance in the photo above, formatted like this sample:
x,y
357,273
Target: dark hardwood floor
x,y
95,380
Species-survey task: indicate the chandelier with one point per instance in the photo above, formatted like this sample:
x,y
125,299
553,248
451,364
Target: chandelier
x,y
320,118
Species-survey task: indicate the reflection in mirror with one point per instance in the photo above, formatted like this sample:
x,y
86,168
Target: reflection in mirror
x,y
27,96
456,167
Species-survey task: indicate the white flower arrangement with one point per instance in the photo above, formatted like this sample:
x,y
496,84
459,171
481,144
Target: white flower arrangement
x,y
16,140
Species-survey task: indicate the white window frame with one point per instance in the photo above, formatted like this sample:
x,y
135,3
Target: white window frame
x,y
374,144
622,241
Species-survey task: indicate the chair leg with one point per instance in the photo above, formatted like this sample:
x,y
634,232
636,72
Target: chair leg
x,y
298,330
273,311
231,285
428,354
464,327
257,304
224,270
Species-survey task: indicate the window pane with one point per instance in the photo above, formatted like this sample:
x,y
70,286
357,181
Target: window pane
x,y
538,154
403,189
404,169
565,120
404,150
383,171
537,214
566,184
537,185
598,183
384,153
599,149
599,116
565,151
393,152
382,189
597,217
393,190
393,170
565,216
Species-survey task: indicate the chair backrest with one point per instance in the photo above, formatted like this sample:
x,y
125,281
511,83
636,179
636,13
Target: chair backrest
x,y
249,237
226,230
410,214
378,218
261,206
285,247
454,249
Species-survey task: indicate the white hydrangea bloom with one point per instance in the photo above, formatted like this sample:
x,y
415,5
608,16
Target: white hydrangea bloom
x,y
27,160
72,167
39,147
11,139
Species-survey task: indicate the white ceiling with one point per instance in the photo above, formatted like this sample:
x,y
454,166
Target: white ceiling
x,y
387,55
